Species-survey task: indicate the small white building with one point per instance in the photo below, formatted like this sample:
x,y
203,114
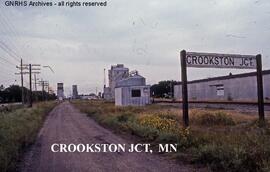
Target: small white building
x,y
132,91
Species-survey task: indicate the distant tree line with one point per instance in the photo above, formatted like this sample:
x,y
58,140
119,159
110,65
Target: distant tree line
x,y
164,89
13,94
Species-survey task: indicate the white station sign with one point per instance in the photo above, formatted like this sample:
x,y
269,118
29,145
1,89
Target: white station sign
x,y
211,60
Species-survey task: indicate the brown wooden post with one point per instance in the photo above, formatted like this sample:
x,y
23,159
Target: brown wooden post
x,y
30,86
260,88
21,68
184,88
43,91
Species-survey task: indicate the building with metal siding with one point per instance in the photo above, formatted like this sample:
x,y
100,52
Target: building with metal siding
x,y
132,91
126,88
116,73
135,80
239,87
127,96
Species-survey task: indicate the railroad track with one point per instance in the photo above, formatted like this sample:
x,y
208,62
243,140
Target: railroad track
x,y
210,102
242,106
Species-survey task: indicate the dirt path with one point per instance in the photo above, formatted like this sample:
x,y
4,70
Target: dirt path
x,y
65,124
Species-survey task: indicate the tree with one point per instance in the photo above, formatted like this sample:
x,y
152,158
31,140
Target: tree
x,y
1,93
13,93
164,89
2,88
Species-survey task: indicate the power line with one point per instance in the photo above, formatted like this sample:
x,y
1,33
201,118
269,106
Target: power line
x,y
8,71
6,47
7,80
8,51
7,61
4,75
14,55
6,23
7,39
11,28
5,65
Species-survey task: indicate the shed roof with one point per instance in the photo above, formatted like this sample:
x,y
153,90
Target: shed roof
x,y
242,75
132,77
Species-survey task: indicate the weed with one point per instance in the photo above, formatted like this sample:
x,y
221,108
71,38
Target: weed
x,y
18,129
221,140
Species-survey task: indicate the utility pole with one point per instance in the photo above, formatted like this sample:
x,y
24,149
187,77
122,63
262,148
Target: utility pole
x,y
31,71
21,68
104,78
35,86
22,81
30,86
35,77
48,91
43,84
46,84
172,89
43,94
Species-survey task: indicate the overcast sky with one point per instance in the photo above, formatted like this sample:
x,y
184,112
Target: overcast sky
x,y
79,42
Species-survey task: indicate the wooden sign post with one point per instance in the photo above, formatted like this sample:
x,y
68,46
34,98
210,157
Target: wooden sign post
x,y
184,88
213,60
260,88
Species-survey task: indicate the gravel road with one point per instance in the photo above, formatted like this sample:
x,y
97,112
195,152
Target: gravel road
x,y
65,124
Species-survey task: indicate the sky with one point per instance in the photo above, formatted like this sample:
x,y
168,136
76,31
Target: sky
x,y
79,42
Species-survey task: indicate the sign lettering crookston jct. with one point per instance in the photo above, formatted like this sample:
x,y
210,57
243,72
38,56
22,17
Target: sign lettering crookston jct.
x,y
212,60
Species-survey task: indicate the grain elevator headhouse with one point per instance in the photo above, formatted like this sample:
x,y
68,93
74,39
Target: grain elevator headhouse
x,y
127,88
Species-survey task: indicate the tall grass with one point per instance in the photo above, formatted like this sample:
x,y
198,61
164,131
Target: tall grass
x,y
9,108
18,129
222,140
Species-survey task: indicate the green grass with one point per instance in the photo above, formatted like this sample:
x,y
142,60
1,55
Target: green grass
x,y
218,139
18,129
